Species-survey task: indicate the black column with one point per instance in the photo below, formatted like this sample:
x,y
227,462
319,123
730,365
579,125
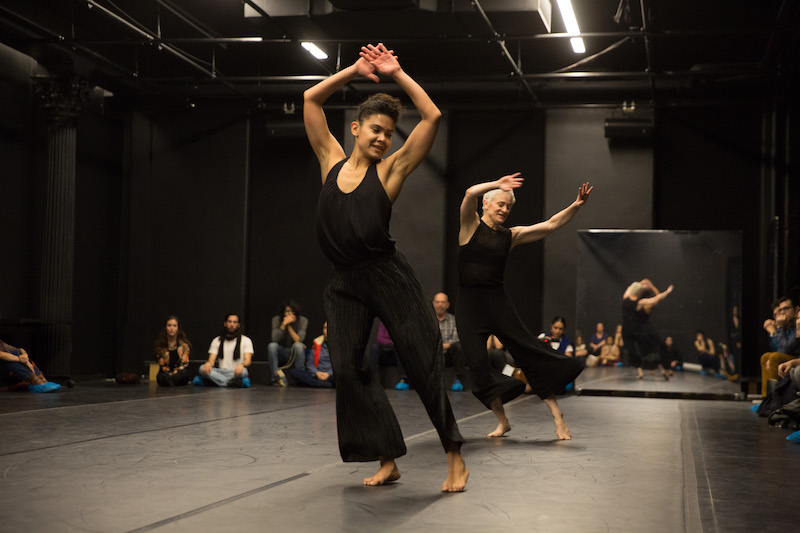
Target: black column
x,y
62,100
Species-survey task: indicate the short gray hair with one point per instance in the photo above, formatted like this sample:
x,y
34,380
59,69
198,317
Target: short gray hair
x,y
494,192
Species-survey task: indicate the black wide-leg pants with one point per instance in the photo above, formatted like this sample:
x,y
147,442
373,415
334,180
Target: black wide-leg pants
x,y
482,311
389,289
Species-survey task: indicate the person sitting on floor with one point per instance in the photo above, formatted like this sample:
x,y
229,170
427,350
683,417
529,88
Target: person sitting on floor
x,y
172,354
288,335
672,356
318,371
17,365
556,338
232,352
598,339
783,339
609,353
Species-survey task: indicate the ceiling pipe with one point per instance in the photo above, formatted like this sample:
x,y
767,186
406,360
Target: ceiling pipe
x,y
647,52
517,70
177,52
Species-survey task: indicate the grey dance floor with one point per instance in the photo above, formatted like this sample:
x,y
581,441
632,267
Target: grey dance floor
x,y
622,381
104,457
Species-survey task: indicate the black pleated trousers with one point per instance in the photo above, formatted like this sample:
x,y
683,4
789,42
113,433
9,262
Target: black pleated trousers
x,y
483,311
389,289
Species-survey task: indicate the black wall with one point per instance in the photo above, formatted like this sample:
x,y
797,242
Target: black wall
x,y
199,212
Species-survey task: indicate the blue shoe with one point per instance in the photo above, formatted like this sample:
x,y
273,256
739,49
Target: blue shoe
x,y
679,368
619,364
245,382
755,407
570,386
703,372
794,437
44,387
457,386
198,381
720,376
402,386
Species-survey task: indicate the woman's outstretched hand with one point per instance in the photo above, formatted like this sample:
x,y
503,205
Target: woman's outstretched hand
x,y
382,60
583,193
512,181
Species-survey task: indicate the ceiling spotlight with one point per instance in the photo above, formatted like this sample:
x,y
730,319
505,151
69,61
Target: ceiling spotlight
x,y
314,50
568,14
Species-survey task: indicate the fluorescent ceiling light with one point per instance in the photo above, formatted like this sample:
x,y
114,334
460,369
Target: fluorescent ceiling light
x,y
314,50
567,13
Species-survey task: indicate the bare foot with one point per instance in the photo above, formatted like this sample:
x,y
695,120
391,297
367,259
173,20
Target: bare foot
x,y
387,473
562,431
502,429
457,473
639,374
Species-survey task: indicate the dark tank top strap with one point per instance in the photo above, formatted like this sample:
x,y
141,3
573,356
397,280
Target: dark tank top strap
x,y
354,227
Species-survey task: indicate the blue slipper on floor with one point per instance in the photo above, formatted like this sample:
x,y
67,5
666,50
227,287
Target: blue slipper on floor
x,y
755,407
245,382
794,437
198,381
44,387
402,386
457,386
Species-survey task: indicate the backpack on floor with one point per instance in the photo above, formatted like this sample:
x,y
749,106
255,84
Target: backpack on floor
x,y
787,416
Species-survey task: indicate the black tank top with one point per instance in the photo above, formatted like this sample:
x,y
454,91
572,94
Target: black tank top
x,y
633,319
482,261
354,227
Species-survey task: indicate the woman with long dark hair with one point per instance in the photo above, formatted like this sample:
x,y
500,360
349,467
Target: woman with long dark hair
x,y
172,349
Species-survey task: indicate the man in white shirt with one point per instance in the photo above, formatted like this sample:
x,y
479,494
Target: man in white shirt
x,y
236,354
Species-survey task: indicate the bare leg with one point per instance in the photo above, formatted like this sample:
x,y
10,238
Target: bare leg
x,y
457,472
663,373
503,426
639,373
387,473
562,431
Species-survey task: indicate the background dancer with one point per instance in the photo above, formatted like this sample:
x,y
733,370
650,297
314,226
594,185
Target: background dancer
x,y
484,307
640,339
370,277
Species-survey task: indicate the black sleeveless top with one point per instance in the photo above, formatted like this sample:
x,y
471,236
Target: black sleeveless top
x,y
482,261
633,320
354,227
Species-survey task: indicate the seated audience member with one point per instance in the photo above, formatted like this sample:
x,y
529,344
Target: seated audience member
x,y
451,346
727,364
172,354
609,353
228,357
706,355
598,339
288,335
382,354
556,338
17,365
318,371
499,357
783,339
580,347
672,357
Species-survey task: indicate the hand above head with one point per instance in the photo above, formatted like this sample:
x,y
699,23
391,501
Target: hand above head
x,y
583,193
512,181
382,60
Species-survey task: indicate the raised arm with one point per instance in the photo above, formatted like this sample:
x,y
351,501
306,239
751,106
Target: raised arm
x,y
649,303
525,234
325,146
469,205
416,147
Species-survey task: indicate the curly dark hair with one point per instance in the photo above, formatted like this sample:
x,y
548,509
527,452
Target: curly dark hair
x,y
380,104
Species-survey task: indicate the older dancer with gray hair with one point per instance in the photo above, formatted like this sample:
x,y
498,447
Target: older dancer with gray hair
x,y
484,307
